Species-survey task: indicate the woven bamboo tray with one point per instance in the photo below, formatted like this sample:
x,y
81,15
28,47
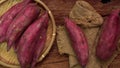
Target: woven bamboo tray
x,y
9,59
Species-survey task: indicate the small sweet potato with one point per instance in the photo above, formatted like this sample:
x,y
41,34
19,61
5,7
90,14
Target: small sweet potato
x,y
27,44
109,36
7,18
79,42
21,22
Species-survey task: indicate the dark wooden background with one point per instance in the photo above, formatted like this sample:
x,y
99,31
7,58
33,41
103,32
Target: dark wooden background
x,y
60,9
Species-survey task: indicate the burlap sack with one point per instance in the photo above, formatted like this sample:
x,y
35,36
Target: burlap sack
x,y
85,16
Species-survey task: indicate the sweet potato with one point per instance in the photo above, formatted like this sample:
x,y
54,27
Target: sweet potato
x,y
21,22
39,47
108,39
6,18
27,43
79,42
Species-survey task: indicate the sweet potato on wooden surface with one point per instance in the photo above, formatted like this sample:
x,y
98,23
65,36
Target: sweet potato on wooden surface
x,y
21,22
7,18
108,39
27,44
79,42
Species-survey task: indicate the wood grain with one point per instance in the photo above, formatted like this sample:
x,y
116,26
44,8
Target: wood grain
x,y
61,9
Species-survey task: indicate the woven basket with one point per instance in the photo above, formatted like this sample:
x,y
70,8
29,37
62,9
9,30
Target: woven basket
x,y
9,59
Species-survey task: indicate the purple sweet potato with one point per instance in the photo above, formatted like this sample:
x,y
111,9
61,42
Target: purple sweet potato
x,y
109,36
39,47
79,42
7,18
27,43
21,22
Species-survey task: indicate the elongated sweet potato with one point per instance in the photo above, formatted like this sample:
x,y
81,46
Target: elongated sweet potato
x,y
21,22
27,43
79,42
6,18
108,39
39,47
40,44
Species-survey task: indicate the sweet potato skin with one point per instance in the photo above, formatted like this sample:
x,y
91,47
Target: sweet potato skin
x,y
21,22
39,47
40,42
6,18
27,43
109,36
79,42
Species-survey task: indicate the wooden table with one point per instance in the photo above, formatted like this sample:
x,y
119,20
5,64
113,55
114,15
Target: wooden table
x,y
60,9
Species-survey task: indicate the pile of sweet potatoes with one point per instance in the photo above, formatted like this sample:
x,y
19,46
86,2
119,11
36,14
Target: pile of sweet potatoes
x,y
24,30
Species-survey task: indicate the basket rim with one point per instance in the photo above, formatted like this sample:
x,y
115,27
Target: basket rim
x,y
54,28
